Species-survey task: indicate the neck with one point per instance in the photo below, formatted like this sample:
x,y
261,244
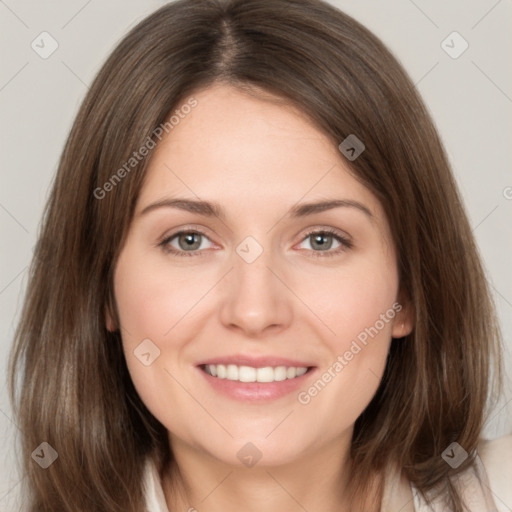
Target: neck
x,y
315,481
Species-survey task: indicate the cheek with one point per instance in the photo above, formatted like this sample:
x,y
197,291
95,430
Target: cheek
x,y
358,305
351,300
151,300
148,308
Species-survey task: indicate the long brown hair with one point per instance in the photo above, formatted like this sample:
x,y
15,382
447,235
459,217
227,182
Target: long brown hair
x,y
75,392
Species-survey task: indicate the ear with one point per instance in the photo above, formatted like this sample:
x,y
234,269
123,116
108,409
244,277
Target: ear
x,y
403,323
111,322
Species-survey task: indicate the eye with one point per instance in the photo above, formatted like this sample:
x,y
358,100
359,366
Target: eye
x,y
321,241
187,243
190,243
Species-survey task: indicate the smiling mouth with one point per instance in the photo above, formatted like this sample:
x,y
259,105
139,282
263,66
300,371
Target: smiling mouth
x,y
266,374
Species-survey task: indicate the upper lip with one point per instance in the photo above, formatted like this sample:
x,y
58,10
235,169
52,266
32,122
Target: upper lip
x,y
255,361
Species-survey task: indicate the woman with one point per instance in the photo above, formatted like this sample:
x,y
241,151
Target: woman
x,y
262,290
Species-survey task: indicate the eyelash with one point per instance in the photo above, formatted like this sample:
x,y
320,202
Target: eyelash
x,y
345,243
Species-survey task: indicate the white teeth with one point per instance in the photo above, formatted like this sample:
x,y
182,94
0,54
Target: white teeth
x,y
247,374
221,371
232,372
301,371
250,374
280,373
265,374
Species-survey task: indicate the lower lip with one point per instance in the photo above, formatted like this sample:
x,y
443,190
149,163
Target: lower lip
x,y
255,391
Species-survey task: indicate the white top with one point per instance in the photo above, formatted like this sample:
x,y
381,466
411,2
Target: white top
x,y
486,488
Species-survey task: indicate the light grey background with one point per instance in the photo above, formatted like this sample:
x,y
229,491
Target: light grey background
x,y
470,98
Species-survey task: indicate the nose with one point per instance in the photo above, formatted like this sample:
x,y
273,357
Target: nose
x,y
256,299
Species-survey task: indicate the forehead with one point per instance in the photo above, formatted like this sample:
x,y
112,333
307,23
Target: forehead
x,y
233,147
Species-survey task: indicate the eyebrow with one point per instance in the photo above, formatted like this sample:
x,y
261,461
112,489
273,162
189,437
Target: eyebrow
x,y
210,209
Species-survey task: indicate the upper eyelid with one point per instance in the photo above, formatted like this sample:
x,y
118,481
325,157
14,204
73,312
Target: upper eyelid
x,y
197,230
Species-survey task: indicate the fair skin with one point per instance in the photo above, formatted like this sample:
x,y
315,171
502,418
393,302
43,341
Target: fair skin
x,y
257,160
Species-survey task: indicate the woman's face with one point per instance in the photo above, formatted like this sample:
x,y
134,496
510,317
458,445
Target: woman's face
x,y
266,288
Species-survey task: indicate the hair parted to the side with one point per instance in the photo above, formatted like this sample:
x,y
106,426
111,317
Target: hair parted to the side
x,y
75,391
